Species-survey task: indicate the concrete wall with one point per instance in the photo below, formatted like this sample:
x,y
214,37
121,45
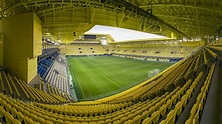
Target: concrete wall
x,y
37,36
190,43
62,49
1,48
22,44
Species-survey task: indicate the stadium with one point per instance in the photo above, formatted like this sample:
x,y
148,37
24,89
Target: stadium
x,y
110,61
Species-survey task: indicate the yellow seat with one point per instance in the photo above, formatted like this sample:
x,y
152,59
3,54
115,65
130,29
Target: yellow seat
x,y
155,116
147,121
116,118
196,118
130,116
66,118
32,111
171,117
28,120
151,110
197,115
100,122
15,121
40,120
80,119
163,109
20,116
2,110
50,119
14,112
75,122
84,123
188,121
123,119
137,119
179,108
8,107
87,119
33,117
174,98
163,122
169,104
145,114
193,110
59,121
48,122
26,113
8,117
117,122
184,99
92,122
128,122
108,120
68,122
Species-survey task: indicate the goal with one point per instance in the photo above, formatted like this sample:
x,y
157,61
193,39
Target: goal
x,y
153,72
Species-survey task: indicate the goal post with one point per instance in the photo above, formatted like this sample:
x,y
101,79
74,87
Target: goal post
x,y
153,72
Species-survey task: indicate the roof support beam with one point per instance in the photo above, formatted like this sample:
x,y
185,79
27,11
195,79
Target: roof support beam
x,y
24,4
73,17
44,16
180,5
53,12
185,18
150,26
92,15
118,22
112,5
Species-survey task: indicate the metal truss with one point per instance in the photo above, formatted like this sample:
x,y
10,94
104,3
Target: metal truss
x,y
48,7
189,18
195,18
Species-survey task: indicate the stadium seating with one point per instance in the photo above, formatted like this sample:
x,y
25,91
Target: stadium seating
x,y
85,49
45,64
198,106
161,99
122,112
20,90
52,70
155,51
141,51
57,76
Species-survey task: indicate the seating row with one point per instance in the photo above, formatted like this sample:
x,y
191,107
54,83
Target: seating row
x,y
18,89
194,117
159,100
57,77
100,113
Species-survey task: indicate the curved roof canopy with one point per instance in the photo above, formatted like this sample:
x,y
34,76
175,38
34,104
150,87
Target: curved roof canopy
x,y
122,34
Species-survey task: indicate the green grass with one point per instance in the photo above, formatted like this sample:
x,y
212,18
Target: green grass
x,y
101,76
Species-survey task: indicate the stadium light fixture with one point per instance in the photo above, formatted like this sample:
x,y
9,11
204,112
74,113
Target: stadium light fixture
x,y
123,35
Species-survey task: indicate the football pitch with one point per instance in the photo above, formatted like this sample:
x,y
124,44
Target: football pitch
x,y
101,76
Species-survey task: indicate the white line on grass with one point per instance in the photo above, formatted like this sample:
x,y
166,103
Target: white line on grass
x,y
88,90
136,76
78,82
113,82
134,68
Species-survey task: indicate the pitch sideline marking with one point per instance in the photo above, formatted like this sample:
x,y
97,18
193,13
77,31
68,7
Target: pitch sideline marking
x,y
78,82
113,82
88,91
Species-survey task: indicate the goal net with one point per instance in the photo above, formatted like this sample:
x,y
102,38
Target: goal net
x,y
153,72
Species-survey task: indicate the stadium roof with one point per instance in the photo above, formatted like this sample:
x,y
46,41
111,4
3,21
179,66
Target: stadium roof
x,y
122,34
61,18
